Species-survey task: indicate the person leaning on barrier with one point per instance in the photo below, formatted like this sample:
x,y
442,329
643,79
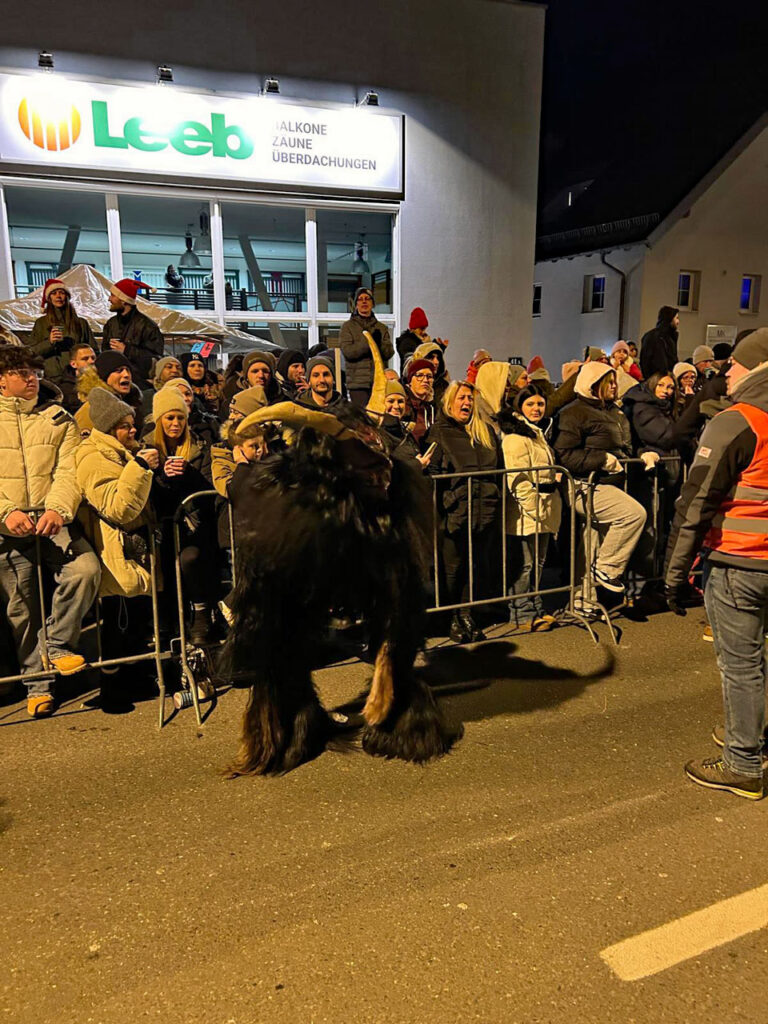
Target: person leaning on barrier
x,y
533,505
723,512
465,443
38,439
593,436
185,469
58,329
115,477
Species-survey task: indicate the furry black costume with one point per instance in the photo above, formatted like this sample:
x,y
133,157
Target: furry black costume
x,y
336,520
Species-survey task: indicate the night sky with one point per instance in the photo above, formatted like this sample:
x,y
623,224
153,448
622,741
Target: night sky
x,y
645,97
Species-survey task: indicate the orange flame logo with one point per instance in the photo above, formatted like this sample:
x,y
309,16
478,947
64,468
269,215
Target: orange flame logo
x,y
47,133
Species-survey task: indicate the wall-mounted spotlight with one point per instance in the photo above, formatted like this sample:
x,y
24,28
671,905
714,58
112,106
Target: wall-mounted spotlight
x,y
164,75
271,86
371,99
45,60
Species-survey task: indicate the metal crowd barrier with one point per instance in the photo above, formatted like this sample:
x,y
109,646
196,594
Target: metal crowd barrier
x,y
660,537
565,481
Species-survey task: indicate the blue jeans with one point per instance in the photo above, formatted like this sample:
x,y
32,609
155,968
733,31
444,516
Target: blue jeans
x,y
737,603
524,609
76,571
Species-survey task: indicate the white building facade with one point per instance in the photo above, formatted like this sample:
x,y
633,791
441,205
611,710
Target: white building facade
x,y
272,207
709,258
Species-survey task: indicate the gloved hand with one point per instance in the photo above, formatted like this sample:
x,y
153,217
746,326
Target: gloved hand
x,y
674,595
650,460
612,464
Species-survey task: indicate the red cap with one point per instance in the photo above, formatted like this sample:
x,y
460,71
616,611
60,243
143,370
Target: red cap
x,y
418,320
50,286
537,363
128,289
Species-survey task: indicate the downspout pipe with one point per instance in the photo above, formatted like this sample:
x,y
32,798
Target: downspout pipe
x,y
622,292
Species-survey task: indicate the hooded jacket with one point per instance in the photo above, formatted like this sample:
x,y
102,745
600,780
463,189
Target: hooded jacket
x,y
38,439
357,355
116,488
89,380
588,430
491,385
658,347
650,417
423,351
534,500
726,449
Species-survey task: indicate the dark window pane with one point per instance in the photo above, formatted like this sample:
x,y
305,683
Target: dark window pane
x,y
746,293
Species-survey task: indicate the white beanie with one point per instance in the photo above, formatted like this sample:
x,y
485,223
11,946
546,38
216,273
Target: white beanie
x,y
680,368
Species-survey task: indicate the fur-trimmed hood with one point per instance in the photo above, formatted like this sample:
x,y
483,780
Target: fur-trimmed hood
x,y
511,422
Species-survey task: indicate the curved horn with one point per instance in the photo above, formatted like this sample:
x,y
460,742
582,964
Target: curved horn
x,y
297,416
377,402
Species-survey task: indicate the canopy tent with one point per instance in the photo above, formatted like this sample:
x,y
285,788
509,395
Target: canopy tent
x,y
90,291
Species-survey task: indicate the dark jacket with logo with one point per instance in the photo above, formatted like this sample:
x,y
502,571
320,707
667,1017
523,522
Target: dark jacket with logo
x,y
141,336
726,448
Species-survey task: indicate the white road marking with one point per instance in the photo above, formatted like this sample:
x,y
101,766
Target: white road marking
x,y
689,936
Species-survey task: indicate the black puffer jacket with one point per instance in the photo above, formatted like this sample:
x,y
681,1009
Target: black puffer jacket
x,y
587,431
456,453
653,428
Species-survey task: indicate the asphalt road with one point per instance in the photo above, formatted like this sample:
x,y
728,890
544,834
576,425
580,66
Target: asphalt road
x,y
136,884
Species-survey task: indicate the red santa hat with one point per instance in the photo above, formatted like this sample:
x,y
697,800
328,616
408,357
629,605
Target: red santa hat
x,y
51,285
418,320
127,289
537,363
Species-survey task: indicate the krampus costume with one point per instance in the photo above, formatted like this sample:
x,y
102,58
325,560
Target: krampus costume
x,y
335,521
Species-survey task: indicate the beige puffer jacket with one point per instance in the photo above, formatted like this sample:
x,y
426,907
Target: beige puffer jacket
x,y
532,497
117,487
38,439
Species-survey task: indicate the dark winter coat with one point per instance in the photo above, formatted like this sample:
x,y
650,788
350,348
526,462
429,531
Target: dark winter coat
x,y
336,405
357,354
653,428
406,343
168,492
142,339
456,453
68,388
587,431
56,354
658,349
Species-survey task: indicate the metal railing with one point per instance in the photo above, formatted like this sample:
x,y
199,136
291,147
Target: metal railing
x,y
574,590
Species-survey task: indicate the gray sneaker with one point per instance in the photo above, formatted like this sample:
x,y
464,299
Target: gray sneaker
x,y
715,774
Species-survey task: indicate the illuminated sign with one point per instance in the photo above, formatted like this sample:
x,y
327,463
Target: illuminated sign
x,y
66,126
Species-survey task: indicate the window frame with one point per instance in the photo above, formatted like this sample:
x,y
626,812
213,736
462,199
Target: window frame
x,y
112,191
589,293
753,308
694,287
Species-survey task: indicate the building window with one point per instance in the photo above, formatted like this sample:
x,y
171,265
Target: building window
x,y
537,300
50,232
594,293
353,249
688,290
750,294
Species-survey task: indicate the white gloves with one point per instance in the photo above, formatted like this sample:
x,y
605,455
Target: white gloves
x,y
649,460
612,464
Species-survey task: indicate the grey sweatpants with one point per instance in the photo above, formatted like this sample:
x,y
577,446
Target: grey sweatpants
x,y
617,525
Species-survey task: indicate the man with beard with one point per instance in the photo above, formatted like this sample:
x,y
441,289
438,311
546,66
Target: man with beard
x,y
321,393
658,348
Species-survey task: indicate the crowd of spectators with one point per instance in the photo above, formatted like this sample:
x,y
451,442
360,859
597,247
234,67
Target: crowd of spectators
x,y
104,441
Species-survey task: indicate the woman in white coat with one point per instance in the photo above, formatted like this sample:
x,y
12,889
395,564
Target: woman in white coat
x,y
533,505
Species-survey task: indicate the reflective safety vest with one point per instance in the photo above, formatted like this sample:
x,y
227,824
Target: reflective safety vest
x,y
741,525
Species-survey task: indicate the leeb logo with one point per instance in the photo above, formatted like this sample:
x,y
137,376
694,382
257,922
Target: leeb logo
x,y
49,125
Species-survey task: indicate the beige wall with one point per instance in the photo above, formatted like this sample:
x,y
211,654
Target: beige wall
x,y
724,236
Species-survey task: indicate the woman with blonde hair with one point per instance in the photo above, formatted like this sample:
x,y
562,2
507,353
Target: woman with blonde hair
x,y
465,442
